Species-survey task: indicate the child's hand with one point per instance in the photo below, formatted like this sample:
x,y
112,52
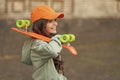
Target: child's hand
x,y
56,37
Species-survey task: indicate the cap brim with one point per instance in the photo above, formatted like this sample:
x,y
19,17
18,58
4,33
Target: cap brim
x,y
57,15
61,15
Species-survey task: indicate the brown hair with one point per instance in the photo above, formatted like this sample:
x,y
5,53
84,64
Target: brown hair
x,y
39,27
58,64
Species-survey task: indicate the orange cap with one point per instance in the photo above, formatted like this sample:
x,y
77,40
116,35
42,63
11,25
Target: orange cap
x,y
45,12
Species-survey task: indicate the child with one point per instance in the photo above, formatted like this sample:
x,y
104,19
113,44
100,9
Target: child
x,y
45,57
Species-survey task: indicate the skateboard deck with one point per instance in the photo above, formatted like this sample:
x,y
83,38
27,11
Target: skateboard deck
x,y
44,38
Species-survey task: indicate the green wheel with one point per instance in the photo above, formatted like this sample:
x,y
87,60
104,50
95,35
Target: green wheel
x,y
27,23
64,38
20,23
72,37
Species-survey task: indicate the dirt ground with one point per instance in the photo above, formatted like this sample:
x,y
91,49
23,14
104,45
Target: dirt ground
x,y
97,43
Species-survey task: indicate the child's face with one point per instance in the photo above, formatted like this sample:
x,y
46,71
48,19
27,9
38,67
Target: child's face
x,y
51,26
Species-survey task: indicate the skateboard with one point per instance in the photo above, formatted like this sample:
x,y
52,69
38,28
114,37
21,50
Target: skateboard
x,y
23,25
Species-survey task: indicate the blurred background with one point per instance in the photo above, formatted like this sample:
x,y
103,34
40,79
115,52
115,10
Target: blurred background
x,y
96,24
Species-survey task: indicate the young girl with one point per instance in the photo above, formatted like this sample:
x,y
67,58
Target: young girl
x,y
45,57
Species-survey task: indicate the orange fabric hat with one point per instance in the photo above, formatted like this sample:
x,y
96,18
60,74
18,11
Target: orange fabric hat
x,y
45,12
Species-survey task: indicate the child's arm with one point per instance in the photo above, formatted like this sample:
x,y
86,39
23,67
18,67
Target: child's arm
x,y
50,49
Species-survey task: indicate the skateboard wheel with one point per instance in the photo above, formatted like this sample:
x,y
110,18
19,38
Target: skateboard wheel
x,y
64,38
27,23
72,37
20,23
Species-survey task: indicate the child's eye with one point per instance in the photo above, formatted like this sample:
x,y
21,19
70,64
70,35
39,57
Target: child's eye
x,y
52,20
55,19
